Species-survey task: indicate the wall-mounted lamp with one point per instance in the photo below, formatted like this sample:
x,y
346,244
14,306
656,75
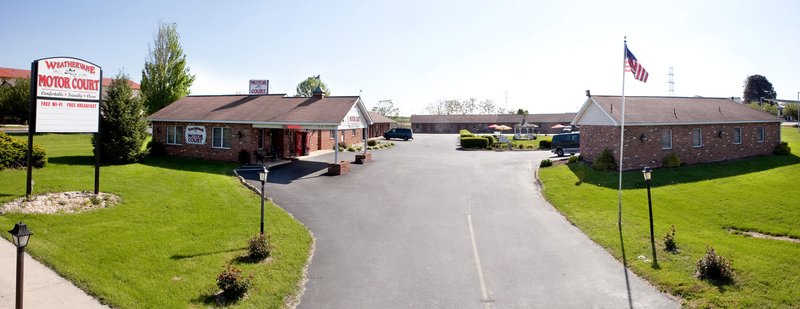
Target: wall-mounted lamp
x,y
719,133
641,138
240,134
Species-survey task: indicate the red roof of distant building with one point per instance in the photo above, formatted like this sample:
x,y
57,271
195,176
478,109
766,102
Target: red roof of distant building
x,y
17,73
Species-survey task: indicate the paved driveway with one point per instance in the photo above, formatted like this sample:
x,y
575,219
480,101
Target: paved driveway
x,y
427,226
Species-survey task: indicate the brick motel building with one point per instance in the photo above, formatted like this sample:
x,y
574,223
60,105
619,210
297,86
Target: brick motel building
x,y
219,127
696,129
481,123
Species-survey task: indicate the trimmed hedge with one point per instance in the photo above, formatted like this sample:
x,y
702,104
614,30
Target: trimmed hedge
x,y
14,153
465,133
474,142
544,144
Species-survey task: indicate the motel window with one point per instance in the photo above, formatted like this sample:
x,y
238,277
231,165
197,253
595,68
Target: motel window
x,y
221,138
737,135
353,131
332,133
666,139
697,137
760,134
174,135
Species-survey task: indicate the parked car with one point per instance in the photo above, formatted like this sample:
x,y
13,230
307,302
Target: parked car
x,y
566,143
404,133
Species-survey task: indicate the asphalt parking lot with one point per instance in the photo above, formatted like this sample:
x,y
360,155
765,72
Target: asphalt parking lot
x,y
425,225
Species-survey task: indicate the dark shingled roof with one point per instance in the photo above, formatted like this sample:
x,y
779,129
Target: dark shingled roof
x,y
676,110
274,108
378,118
502,118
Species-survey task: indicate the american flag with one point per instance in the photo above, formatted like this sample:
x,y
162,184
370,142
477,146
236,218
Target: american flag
x,y
633,66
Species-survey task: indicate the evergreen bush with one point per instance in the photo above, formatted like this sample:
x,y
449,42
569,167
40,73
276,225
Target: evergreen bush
x,y
669,240
671,160
546,163
156,149
474,142
782,149
372,142
545,144
605,162
123,123
714,268
572,159
233,284
259,247
14,153
244,157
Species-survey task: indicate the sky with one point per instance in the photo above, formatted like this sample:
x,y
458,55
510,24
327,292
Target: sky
x,y
536,55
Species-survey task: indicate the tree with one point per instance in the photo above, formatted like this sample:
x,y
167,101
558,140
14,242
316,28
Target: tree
x,y
122,123
772,109
165,77
15,100
757,87
386,108
486,107
522,111
306,87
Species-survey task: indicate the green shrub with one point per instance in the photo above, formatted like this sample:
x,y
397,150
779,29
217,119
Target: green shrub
x,y
528,146
671,160
351,149
156,149
14,153
572,159
605,162
244,157
342,145
520,146
259,247
465,133
474,142
372,142
545,144
669,240
782,149
233,284
546,163
714,268
489,138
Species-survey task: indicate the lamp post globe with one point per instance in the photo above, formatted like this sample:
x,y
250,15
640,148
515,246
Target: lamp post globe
x,y
262,176
647,173
20,235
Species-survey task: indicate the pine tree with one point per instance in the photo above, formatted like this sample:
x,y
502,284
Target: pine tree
x,y
122,123
165,77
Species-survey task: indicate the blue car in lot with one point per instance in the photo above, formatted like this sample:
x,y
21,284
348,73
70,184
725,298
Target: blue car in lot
x,y
403,133
566,143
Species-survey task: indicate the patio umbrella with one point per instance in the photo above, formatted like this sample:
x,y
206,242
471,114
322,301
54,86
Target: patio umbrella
x,y
502,128
494,126
558,126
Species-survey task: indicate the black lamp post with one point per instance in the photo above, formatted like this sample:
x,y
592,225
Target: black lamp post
x,y
646,173
262,175
20,236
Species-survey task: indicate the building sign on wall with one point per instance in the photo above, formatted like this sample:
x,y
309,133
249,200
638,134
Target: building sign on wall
x,y
195,135
259,86
67,92
353,120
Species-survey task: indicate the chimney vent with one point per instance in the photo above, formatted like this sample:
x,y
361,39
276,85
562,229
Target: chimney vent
x,y
588,94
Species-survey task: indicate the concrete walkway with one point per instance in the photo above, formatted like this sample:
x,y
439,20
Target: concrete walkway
x,y
43,288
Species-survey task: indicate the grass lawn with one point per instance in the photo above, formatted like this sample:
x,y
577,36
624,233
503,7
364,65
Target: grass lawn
x,y
702,202
181,221
533,142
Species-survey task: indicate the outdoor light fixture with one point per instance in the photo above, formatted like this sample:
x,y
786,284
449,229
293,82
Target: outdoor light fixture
x,y
719,133
647,174
20,236
262,175
240,134
641,138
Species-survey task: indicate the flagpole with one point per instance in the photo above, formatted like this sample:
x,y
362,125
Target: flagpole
x,y
622,137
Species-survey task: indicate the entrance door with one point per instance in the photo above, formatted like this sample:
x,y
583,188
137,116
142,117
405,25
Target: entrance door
x,y
276,145
300,143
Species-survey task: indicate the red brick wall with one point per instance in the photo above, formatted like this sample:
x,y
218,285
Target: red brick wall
x,y
648,152
344,135
248,141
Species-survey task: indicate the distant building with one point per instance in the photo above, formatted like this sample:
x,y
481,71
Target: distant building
x,y
696,129
480,123
380,124
9,76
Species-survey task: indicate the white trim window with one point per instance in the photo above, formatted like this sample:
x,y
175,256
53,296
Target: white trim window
x,y
174,135
221,138
737,135
666,139
760,134
353,131
332,133
697,137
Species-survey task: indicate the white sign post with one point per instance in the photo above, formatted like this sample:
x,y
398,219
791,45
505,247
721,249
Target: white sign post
x,y
65,98
259,86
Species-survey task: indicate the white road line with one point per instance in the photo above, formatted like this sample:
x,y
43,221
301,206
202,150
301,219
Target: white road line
x,y
484,294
